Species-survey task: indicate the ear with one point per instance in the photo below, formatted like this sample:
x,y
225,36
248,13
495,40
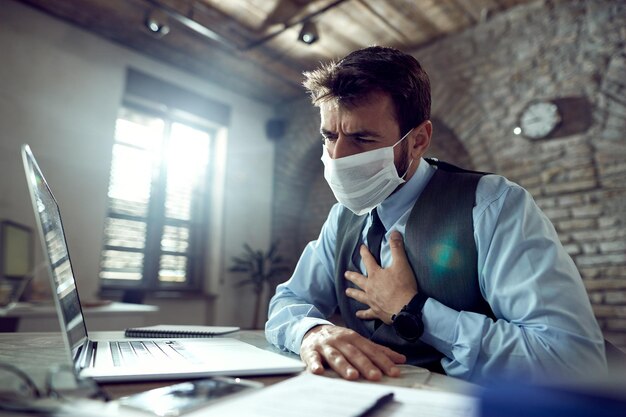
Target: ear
x,y
419,139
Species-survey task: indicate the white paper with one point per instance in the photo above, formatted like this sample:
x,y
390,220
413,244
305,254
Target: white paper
x,y
425,403
310,395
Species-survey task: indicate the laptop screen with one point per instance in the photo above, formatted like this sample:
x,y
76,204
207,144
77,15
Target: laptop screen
x,y
55,248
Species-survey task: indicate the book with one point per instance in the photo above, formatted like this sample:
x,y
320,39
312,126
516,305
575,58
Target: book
x,y
177,331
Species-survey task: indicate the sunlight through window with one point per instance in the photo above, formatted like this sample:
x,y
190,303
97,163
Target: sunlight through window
x,y
157,198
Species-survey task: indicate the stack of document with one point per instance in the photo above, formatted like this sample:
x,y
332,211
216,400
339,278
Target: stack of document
x,y
310,395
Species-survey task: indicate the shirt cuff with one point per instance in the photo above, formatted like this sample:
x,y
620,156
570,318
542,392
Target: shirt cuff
x,y
437,329
304,325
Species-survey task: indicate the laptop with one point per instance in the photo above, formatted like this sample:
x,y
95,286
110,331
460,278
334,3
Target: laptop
x,y
132,359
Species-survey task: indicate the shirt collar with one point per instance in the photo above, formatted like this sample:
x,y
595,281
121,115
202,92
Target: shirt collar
x,y
402,200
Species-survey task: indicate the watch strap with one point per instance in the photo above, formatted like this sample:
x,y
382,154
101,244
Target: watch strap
x,y
416,304
408,322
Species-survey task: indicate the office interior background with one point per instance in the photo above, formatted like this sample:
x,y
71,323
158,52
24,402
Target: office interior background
x,y
74,74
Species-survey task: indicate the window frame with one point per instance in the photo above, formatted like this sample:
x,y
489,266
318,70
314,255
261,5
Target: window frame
x,y
200,217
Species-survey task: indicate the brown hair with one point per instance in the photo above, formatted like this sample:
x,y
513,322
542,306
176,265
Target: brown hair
x,y
353,79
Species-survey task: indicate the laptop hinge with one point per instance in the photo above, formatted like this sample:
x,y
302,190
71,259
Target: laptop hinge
x,y
86,355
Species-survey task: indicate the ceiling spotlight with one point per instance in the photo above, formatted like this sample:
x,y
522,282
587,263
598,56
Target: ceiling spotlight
x,y
308,33
157,23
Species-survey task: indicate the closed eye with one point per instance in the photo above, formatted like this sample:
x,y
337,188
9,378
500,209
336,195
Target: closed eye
x,y
328,136
361,139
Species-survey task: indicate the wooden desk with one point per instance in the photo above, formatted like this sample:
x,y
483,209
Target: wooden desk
x,y
42,317
35,353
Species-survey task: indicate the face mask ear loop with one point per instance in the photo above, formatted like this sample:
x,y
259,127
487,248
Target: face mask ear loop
x,y
402,138
407,170
394,145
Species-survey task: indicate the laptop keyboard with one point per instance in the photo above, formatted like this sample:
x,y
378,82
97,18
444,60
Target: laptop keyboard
x,y
134,352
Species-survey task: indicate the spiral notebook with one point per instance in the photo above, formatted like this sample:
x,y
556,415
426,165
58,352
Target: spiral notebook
x,y
176,331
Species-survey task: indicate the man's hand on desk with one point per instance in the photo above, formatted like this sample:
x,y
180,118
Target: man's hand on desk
x,y
348,353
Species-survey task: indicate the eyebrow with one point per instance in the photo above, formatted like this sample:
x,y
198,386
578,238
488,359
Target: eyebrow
x,y
361,133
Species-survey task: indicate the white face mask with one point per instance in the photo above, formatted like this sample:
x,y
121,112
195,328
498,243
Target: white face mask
x,y
363,180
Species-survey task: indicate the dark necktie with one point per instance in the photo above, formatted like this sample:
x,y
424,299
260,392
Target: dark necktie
x,y
374,239
375,236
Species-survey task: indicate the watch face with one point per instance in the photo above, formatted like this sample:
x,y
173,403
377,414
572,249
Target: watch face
x,y
408,326
539,119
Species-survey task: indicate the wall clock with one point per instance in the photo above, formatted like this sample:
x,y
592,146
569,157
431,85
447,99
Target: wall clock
x,y
539,119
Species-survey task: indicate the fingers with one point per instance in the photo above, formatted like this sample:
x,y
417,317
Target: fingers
x,y
379,358
396,244
387,359
370,314
352,369
335,351
313,361
368,259
349,354
357,295
388,366
355,278
396,357
369,359
366,314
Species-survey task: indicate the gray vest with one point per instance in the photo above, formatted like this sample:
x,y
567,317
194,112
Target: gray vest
x,y
440,246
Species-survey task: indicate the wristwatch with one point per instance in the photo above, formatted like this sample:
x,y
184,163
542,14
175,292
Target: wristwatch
x,y
408,322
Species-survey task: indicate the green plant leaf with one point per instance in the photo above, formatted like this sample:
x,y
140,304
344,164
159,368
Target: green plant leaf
x,y
248,249
261,267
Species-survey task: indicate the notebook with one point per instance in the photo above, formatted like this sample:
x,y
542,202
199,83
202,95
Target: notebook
x,y
131,359
166,330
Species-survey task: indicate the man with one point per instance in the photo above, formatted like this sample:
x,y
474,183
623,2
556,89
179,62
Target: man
x,y
428,264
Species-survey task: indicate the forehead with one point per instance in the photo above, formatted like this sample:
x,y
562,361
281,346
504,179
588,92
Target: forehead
x,y
377,108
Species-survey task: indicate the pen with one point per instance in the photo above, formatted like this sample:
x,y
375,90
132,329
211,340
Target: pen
x,y
378,404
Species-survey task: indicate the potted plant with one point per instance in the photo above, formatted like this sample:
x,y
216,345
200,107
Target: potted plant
x,y
261,268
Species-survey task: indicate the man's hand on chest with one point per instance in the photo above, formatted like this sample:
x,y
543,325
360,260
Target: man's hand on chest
x,y
384,290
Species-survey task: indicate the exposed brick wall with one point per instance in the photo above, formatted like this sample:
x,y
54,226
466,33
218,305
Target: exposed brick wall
x,y
482,79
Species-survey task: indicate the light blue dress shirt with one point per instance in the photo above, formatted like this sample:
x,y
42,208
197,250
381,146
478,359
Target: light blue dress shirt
x,y
545,325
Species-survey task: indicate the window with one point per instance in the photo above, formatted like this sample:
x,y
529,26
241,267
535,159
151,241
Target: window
x,y
158,200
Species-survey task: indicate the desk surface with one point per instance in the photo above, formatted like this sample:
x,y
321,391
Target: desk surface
x,y
42,317
48,309
35,353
